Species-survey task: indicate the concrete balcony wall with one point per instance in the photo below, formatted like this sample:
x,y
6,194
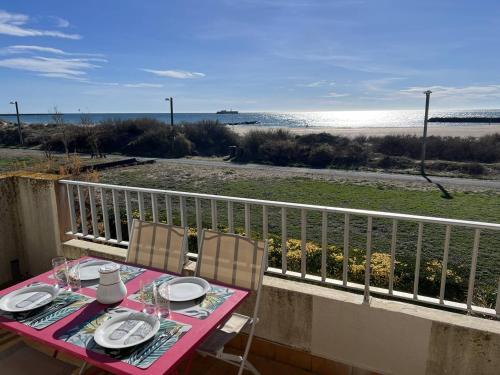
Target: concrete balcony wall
x,y
29,223
11,246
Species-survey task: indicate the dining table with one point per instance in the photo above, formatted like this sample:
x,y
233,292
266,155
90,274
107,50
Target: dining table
x,y
68,326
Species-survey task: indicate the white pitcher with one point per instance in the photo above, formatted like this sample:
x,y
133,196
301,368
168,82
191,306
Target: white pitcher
x,y
111,288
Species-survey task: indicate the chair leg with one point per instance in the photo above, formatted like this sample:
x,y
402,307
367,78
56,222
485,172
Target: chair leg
x,y
238,360
251,368
82,368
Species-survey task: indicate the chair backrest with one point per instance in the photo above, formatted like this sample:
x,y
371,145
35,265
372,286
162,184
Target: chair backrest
x,y
231,259
157,245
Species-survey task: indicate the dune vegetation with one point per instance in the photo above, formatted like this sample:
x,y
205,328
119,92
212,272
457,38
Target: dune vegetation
x,y
151,138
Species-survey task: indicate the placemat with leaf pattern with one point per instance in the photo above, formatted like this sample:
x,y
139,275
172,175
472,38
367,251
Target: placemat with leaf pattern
x,y
141,356
64,304
200,308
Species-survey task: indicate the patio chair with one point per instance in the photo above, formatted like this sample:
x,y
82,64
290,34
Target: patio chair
x,y
157,245
238,261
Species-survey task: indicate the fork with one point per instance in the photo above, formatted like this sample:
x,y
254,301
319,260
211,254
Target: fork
x,y
158,342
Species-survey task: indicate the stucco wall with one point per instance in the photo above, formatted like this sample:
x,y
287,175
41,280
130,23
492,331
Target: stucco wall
x,y
11,247
29,223
37,211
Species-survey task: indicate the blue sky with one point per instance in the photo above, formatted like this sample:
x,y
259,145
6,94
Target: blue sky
x,y
250,55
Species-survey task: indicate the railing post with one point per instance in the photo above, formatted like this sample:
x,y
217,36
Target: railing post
x,y
368,261
71,203
497,305
105,216
265,222
417,260
140,198
472,276
324,244
128,208
303,242
154,207
199,219
93,212
247,220
393,255
230,217
168,206
213,206
265,228
345,265
83,211
116,211
284,234
444,268
182,207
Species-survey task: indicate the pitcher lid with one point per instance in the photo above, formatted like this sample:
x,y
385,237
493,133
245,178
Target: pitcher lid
x,y
109,268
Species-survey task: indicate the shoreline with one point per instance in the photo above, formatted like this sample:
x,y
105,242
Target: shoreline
x,y
437,130
462,131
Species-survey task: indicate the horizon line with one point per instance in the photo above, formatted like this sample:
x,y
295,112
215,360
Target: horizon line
x,y
254,111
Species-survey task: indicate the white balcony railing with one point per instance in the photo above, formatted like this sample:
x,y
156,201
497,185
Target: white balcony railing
x,y
104,200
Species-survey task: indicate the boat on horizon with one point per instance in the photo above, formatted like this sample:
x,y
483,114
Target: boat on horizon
x,y
226,112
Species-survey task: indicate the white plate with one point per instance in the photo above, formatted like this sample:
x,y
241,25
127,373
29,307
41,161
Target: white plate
x,y
19,300
90,270
184,289
114,334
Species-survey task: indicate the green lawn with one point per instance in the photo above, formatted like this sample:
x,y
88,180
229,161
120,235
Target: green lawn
x,y
9,164
469,206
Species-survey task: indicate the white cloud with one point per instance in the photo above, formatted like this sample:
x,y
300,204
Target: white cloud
x,y
180,74
41,49
52,67
97,83
14,24
450,91
335,95
60,22
27,49
143,85
320,83
380,84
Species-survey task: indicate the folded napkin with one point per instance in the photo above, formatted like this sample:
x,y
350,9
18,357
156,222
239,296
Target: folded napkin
x,y
36,297
139,334
123,329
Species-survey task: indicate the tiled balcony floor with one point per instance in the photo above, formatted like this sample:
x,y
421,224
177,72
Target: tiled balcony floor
x,y
202,365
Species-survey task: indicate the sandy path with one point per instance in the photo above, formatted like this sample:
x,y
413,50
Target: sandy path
x,y
270,171
439,130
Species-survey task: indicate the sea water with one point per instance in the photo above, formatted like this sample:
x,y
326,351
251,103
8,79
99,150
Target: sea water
x,y
337,119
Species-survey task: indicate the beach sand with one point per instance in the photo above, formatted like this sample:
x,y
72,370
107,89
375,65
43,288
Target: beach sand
x,y
438,130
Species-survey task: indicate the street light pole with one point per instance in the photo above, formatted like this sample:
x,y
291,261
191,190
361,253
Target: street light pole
x,y
18,123
424,139
171,100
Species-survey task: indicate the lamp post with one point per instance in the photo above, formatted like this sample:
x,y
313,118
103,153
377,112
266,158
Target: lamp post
x,y
171,100
18,122
424,138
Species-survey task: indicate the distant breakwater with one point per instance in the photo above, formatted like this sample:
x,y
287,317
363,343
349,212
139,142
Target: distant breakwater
x,y
486,120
